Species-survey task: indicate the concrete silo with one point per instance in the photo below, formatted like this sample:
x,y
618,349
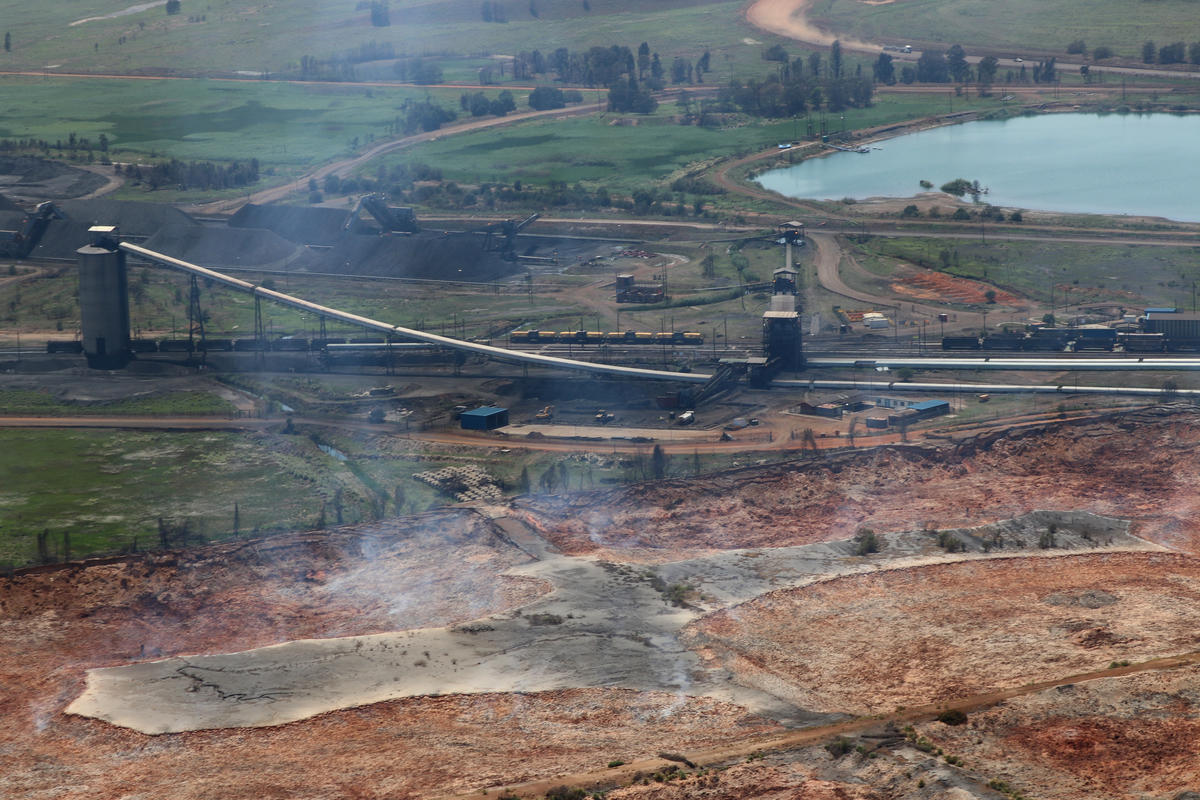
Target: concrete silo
x,y
104,300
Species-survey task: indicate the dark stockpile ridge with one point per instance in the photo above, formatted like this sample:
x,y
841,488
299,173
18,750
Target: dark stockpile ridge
x,y
64,236
429,255
134,218
313,225
222,247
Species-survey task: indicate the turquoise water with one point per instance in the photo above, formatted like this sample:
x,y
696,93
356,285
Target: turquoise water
x,y
1139,164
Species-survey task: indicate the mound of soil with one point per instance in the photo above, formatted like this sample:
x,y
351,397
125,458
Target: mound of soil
x,y
1118,737
870,643
1135,466
929,284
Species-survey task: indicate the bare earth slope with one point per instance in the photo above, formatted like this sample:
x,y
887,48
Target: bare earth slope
x,y
1139,467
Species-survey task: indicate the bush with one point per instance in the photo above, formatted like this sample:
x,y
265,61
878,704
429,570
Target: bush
x,y
961,214
839,747
865,542
1102,52
616,762
910,210
952,717
950,543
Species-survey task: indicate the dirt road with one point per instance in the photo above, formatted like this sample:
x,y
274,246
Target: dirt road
x,y
794,739
343,167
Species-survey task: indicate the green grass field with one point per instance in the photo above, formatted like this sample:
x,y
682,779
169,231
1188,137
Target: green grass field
x,y
627,152
106,489
1015,25
43,403
1081,273
291,127
256,36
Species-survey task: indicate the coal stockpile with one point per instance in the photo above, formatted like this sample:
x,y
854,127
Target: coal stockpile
x,y
133,218
301,224
136,220
222,247
37,179
428,255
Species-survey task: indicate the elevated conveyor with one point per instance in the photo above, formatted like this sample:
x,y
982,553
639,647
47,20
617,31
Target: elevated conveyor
x,y
497,353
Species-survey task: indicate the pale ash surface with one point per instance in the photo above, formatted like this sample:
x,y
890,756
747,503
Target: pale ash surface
x,y
604,625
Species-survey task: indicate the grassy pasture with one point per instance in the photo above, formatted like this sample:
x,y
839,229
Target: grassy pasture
x,y
106,488
256,36
289,126
626,152
1127,274
1015,25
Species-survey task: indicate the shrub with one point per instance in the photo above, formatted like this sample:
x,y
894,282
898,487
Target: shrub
x,y
839,747
865,542
911,210
952,717
566,793
960,214
616,762
950,543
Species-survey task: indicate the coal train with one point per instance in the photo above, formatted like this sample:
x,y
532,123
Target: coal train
x,y
287,344
606,337
1075,339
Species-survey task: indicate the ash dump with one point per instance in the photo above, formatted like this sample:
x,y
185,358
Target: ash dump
x,y
223,247
906,637
33,179
432,569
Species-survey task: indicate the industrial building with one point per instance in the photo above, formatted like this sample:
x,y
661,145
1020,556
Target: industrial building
x,y
485,418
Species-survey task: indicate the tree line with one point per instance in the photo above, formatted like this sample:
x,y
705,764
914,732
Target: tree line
x,y
192,174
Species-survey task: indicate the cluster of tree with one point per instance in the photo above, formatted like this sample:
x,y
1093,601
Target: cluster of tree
x,y
547,97
791,95
173,6
626,95
423,115
816,66
951,66
1175,53
367,51
493,11
417,70
192,174
603,66
73,142
395,181
480,105
380,15
314,69
556,194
